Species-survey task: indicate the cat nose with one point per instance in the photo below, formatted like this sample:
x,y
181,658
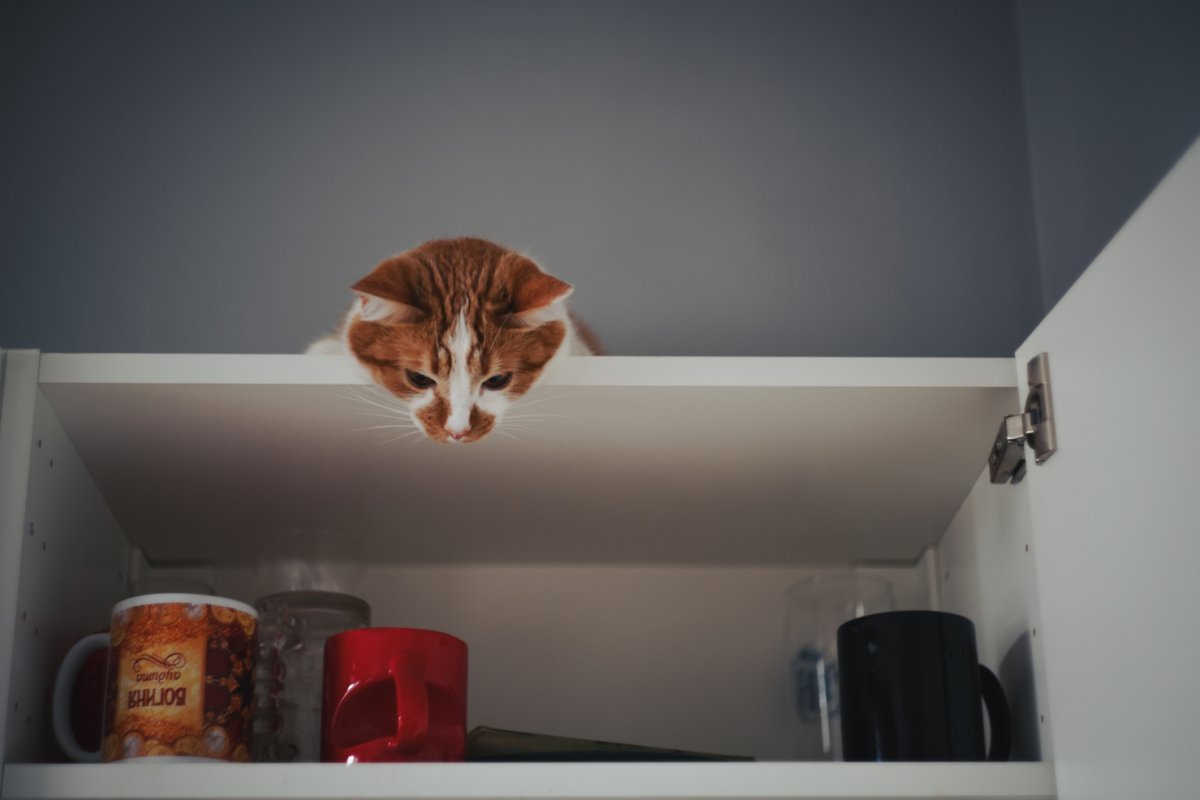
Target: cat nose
x,y
457,433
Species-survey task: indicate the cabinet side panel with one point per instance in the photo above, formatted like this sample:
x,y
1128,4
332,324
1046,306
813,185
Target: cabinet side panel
x,y
1114,511
987,575
72,569
19,383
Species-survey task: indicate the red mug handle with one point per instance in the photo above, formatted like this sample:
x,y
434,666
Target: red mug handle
x,y
412,706
411,713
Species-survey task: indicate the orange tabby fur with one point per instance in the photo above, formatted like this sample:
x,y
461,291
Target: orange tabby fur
x,y
460,328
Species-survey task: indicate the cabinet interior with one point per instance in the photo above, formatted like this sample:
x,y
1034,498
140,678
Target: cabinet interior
x,y
618,575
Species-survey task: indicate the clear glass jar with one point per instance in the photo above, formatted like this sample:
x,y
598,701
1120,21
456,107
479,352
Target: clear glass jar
x,y
815,607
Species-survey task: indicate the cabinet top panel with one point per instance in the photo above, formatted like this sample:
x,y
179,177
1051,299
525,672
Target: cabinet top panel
x,y
655,460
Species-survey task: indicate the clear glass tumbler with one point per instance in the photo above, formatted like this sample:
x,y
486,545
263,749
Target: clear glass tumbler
x,y
309,580
815,607
292,629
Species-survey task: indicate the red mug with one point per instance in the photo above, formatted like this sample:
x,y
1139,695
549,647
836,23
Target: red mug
x,y
394,694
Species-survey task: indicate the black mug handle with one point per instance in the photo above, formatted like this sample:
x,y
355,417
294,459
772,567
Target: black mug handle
x,y
998,716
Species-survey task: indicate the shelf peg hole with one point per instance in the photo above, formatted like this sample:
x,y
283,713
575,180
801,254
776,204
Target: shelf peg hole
x,y
39,444
31,529
52,463
1035,631
24,615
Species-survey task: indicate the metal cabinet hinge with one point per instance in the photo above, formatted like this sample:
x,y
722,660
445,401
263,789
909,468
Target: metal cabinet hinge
x,y
1006,462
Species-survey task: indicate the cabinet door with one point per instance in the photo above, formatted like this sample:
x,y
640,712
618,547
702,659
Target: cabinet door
x,y
1115,510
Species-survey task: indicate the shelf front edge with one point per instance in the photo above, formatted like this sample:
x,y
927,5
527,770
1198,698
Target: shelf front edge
x,y
624,781
699,371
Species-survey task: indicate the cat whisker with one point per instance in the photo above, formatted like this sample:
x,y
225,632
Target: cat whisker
x,y
540,415
355,390
509,435
397,418
530,403
527,405
534,432
393,413
375,402
371,392
391,439
377,406
380,415
538,396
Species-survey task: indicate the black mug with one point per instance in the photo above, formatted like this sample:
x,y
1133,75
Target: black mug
x,y
911,686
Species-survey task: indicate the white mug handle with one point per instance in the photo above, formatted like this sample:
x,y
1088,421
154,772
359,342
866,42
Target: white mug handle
x,y
63,684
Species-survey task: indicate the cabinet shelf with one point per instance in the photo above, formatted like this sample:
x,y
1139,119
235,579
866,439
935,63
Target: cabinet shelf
x,y
512,781
619,459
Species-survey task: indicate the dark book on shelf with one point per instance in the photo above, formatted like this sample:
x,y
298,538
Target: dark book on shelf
x,y
495,744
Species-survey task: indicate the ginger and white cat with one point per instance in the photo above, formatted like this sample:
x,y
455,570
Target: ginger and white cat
x,y
458,329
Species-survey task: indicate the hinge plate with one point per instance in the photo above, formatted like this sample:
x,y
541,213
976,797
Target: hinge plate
x,y
1006,461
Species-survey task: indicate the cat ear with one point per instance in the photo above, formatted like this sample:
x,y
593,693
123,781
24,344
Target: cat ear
x,y
389,293
372,308
533,289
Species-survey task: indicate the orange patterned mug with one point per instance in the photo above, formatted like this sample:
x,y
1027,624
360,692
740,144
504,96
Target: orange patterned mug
x,y
179,684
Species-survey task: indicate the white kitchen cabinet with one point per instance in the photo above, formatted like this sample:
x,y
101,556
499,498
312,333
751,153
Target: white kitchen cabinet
x,y
619,570
619,575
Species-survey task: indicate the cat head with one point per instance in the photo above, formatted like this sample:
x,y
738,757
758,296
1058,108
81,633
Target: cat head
x,y
458,329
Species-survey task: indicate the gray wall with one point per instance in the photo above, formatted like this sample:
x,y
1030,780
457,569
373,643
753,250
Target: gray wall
x,y
830,178
1112,92
792,178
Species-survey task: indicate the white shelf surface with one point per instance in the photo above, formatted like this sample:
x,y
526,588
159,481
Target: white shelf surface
x,y
737,371
620,459
724,781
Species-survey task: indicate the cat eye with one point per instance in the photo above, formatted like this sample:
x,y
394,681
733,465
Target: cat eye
x,y
498,381
418,380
